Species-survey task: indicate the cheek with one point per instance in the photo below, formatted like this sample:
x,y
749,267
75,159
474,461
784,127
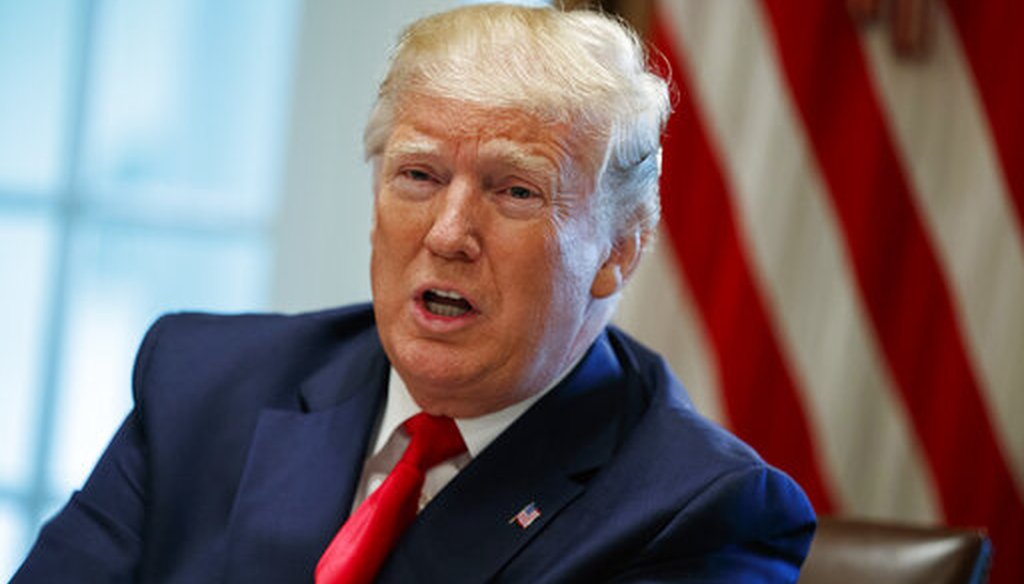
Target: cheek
x,y
386,241
546,278
394,224
578,253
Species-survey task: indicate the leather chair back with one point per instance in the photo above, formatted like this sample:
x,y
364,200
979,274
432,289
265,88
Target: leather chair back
x,y
861,552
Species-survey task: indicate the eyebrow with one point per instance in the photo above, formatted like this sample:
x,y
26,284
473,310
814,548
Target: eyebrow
x,y
512,152
416,146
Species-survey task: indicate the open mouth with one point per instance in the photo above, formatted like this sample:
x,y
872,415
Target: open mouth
x,y
444,303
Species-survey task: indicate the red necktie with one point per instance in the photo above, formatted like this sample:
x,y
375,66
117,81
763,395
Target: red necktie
x,y
362,544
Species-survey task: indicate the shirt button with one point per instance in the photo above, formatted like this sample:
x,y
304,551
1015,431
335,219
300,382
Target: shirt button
x,y
375,483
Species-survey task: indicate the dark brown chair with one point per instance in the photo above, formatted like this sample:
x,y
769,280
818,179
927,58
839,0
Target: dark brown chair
x,y
847,551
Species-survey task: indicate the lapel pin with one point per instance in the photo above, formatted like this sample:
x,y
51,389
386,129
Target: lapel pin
x,y
526,515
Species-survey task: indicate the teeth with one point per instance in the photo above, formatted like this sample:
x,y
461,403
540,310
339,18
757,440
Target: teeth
x,y
446,294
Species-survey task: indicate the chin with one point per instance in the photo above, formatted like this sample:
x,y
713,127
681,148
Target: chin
x,y
431,363
444,383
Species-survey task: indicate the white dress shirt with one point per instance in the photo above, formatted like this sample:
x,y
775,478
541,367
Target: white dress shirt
x,y
390,439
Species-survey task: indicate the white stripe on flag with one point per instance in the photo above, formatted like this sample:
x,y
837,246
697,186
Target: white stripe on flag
x,y
795,247
964,201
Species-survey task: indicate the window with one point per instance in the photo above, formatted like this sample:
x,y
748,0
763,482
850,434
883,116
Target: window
x,y
139,162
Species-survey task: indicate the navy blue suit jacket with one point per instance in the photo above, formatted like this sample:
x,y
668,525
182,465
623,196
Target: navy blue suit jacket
x,y
241,457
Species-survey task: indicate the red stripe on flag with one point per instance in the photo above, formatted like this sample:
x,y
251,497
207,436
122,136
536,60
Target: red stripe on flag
x,y
991,33
899,276
760,397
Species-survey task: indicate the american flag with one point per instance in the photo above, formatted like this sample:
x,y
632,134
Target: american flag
x,y
526,516
839,277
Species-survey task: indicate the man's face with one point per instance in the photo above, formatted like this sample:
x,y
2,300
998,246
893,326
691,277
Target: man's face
x,y
490,273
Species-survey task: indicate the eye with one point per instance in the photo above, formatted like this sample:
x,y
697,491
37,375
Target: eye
x,y
521,193
519,201
416,174
415,181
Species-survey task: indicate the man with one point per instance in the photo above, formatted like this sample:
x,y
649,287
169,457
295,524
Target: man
x,y
515,155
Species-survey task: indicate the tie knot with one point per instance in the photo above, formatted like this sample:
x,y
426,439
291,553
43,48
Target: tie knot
x,y
433,439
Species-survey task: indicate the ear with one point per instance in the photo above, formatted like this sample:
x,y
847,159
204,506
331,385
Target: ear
x,y
618,266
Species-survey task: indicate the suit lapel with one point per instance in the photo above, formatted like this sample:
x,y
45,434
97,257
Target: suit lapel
x,y
470,530
303,466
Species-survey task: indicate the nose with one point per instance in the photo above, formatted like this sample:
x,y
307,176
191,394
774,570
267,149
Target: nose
x,y
454,233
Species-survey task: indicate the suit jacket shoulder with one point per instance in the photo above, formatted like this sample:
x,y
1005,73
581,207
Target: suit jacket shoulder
x,y
682,499
224,363
232,413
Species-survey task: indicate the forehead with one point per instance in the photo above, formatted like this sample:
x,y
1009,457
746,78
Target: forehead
x,y
425,125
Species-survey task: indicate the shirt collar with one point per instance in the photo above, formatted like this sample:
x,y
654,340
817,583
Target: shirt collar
x,y
477,433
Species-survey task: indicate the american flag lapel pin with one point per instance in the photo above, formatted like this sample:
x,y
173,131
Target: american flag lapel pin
x,y
526,515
